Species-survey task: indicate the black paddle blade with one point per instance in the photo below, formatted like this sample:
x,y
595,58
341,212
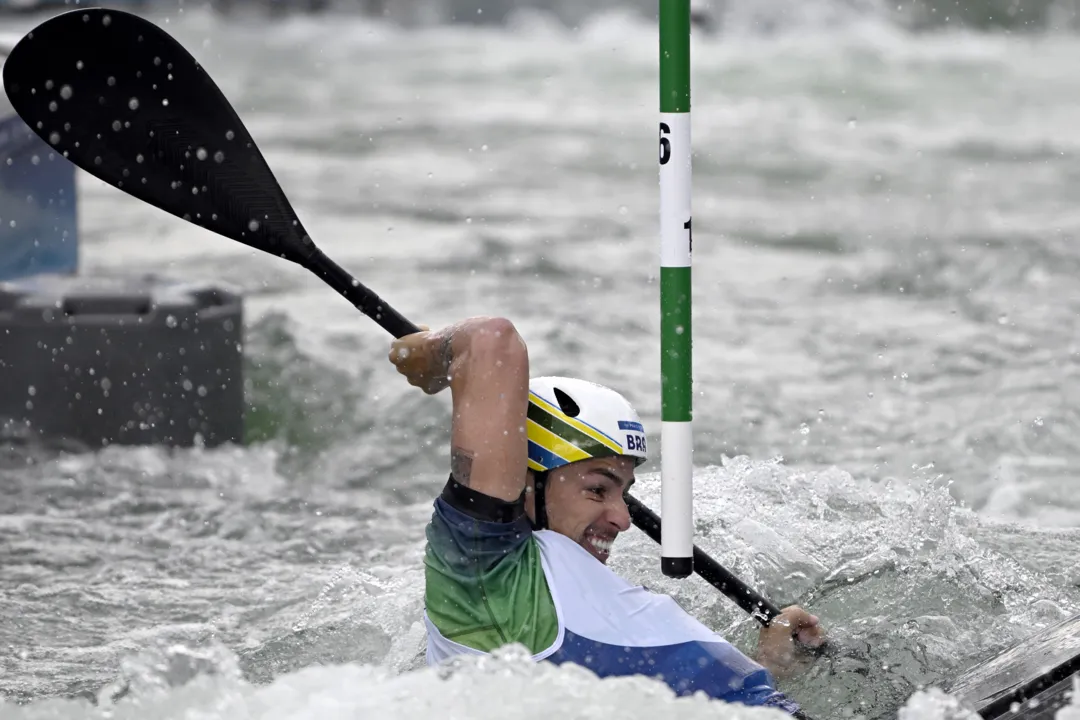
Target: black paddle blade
x,y
123,100
120,98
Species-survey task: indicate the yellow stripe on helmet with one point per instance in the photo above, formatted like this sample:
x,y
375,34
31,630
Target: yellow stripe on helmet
x,y
553,443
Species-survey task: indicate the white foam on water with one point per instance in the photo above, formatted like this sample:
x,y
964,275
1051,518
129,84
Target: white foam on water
x,y
934,704
178,683
476,688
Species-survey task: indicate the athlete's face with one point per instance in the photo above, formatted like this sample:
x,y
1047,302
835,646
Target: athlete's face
x,y
585,502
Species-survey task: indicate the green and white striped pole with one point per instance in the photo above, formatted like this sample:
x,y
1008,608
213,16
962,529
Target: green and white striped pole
x,y
676,240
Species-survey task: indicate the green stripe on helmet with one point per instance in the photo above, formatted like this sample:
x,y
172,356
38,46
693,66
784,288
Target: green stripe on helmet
x,y
567,432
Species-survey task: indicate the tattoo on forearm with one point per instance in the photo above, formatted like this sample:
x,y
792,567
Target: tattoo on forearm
x,y
461,465
446,352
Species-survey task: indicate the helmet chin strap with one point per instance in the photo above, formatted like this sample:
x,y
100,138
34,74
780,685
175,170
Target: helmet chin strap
x,y
540,500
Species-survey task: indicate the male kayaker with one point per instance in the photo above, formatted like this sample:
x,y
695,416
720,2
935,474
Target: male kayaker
x,y
520,537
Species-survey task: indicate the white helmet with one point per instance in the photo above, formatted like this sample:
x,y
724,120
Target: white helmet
x,y
571,420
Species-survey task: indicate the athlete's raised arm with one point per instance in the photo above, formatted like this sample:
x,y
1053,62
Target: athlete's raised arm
x,y
486,365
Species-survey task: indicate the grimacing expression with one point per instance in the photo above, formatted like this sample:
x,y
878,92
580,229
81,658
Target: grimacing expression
x,y
585,502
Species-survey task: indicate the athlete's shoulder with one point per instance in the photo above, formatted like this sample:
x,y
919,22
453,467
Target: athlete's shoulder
x,y
465,539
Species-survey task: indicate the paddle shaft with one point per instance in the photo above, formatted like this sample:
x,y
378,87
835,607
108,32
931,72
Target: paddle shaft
x,y
708,569
358,294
